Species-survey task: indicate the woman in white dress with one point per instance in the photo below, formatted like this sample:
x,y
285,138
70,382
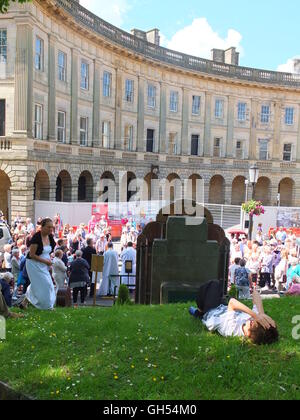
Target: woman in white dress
x,y
41,292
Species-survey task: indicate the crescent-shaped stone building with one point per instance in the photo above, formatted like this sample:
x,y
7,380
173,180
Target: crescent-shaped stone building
x,y
81,101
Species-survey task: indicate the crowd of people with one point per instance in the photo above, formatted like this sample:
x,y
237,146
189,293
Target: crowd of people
x,y
270,263
48,256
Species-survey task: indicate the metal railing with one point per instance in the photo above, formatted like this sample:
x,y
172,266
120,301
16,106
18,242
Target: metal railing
x,y
224,215
155,52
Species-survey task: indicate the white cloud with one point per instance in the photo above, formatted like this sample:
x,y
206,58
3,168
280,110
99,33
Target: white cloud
x,y
199,39
288,67
113,12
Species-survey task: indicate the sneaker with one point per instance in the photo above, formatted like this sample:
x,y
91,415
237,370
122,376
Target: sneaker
x,y
194,312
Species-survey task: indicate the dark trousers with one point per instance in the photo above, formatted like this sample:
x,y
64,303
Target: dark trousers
x,y
265,278
26,285
83,293
92,290
210,296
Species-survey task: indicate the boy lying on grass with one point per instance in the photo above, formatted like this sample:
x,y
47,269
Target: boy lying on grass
x,y
236,319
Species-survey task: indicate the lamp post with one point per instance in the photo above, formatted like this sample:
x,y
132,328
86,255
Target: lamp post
x,y
246,199
247,189
253,179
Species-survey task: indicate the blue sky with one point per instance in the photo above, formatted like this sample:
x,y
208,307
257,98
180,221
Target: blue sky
x,y
267,32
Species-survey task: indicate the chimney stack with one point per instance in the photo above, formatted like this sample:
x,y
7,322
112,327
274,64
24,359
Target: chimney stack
x,y
230,56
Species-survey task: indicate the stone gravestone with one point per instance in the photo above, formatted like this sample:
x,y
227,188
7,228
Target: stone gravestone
x,y
183,261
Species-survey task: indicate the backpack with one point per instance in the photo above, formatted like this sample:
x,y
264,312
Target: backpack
x,y
242,277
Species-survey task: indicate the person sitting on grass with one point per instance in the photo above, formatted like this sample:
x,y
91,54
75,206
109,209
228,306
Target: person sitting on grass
x,y
4,311
6,281
236,319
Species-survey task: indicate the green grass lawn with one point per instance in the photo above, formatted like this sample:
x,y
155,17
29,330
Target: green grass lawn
x,y
138,352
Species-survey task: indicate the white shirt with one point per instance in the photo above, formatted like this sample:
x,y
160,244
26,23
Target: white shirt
x,y
227,323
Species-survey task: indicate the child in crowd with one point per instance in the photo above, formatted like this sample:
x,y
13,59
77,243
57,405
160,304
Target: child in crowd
x,y
253,266
232,269
241,277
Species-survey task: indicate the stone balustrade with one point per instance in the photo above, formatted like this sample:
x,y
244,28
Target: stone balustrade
x,y
155,52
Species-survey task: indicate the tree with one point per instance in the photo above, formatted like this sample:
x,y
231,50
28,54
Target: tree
x,y
4,4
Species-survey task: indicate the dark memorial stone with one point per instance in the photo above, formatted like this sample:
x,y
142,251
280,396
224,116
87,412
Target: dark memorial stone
x,y
175,259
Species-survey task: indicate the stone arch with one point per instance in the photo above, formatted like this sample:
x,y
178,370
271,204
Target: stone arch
x,y
238,194
263,191
173,189
127,186
85,187
107,188
64,187
131,177
151,190
286,189
217,190
41,186
5,186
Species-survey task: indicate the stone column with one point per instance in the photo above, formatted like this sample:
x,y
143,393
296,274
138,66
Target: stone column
x,y
22,192
74,193
24,80
74,97
22,201
207,129
253,130
141,116
163,119
52,71
206,190
96,105
185,123
52,192
118,119
277,153
274,192
228,194
298,138
230,128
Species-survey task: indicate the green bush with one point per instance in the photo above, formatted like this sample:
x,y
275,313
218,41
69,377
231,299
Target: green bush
x,y
234,293
123,296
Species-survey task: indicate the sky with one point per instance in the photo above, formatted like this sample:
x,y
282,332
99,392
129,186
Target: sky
x,y
265,32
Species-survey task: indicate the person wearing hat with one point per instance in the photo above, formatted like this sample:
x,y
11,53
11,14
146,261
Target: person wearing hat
x,y
101,244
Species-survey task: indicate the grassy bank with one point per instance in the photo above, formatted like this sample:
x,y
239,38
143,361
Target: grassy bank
x,y
146,353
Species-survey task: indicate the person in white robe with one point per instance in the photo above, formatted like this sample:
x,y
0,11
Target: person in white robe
x,y
129,254
111,268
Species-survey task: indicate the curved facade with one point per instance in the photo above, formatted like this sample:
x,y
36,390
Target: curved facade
x,y
81,101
